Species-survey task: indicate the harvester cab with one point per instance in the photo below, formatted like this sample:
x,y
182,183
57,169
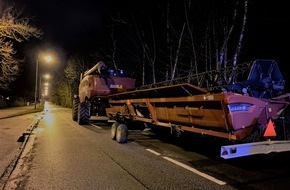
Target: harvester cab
x,y
264,81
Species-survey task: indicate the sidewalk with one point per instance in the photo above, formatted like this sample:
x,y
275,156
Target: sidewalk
x,y
16,111
14,133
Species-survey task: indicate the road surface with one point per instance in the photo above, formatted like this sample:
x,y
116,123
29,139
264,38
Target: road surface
x,y
60,154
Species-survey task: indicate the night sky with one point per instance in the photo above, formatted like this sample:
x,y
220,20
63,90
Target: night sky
x,y
68,23
77,24
73,25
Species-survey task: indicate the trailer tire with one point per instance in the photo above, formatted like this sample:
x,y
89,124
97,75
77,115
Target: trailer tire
x,y
121,133
75,109
114,130
83,113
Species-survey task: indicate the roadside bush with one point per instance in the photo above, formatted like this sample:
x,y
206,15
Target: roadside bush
x,y
18,102
3,104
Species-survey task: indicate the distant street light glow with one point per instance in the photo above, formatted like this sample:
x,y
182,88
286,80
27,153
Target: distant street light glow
x,y
46,76
47,59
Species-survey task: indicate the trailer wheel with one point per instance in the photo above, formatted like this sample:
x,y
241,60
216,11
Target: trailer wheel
x,y
75,109
114,130
121,133
83,113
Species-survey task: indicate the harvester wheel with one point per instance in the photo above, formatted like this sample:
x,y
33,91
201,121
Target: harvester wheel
x,y
83,113
75,109
114,130
121,133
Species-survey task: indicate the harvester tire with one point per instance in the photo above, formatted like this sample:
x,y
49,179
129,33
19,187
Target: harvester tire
x,y
75,109
114,130
83,113
122,133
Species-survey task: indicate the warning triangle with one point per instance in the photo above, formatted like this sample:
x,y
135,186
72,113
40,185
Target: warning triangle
x,y
270,131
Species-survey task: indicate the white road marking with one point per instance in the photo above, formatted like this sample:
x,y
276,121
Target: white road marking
x,y
152,151
188,168
195,171
96,126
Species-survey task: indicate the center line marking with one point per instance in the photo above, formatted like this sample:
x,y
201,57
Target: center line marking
x,y
96,126
152,151
195,171
188,168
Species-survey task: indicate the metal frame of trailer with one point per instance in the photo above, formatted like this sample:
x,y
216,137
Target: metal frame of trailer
x,y
185,107
247,149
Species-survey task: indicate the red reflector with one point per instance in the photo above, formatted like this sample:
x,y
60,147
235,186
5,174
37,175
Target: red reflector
x,y
225,152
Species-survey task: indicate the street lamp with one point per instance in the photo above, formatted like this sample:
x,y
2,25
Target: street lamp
x,y
45,93
48,59
46,76
36,83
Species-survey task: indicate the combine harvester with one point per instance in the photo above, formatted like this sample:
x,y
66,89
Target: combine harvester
x,y
249,114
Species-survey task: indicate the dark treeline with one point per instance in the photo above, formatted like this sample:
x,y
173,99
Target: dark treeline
x,y
157,41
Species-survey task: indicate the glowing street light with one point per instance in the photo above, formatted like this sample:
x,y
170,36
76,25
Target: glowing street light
x,y
46,90
48,59
45,76
46,84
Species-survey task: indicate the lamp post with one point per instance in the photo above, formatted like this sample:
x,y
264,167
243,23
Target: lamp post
x,y
36,83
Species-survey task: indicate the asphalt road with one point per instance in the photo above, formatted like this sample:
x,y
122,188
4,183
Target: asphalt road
x,y
60,154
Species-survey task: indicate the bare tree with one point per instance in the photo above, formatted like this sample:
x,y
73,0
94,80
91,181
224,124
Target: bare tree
x,y
67,86
60,94
228,33
193,60
177,52
12,29
74,67
149,54
204,36
114,50
239,46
